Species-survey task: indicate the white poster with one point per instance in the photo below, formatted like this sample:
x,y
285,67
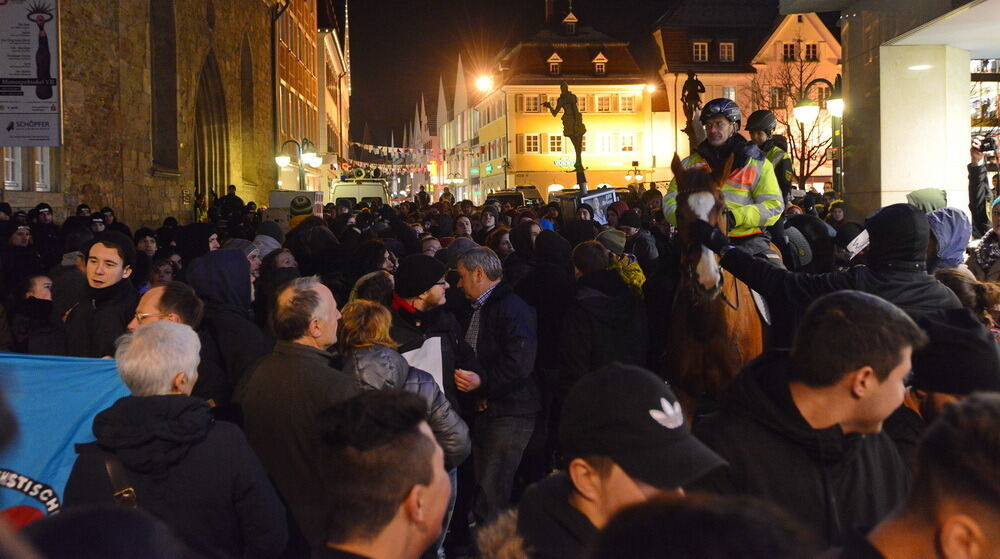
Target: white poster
x,y
428,358
30,106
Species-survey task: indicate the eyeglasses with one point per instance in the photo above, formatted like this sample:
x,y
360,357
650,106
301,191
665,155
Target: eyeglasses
x,y
139,317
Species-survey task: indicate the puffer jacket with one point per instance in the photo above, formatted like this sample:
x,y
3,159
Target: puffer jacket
x,y
380,367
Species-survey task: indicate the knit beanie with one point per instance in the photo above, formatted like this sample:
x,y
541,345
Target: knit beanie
x,y
416,274
242,245
298,210
266,244
613,240
630,219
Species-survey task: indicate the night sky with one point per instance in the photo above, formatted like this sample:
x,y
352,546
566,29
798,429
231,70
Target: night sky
x,y
399,48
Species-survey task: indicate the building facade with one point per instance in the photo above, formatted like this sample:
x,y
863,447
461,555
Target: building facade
x,y
162,100
334,83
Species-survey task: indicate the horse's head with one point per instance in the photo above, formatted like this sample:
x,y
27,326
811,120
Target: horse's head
x,y
699,197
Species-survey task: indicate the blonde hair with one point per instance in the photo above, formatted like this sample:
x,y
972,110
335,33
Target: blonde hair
x,y
364,323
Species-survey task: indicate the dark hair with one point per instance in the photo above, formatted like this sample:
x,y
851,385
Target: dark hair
x,y
291,319
847,330
702,526
376,286
373,454
590,256
117,241
977,296
493,239
179,298
142,233
958,456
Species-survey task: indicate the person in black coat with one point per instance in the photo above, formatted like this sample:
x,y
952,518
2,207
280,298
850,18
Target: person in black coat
x,y
19,259
517,266
605,323
222,279
199,476
804,429
93,325
502,330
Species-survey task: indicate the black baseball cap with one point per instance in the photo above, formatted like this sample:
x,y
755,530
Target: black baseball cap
x,y
630,415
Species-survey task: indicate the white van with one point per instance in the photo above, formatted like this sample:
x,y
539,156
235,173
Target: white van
x,y
360,190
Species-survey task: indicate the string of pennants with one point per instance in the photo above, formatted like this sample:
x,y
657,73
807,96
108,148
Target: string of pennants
x,y
433,153
386,169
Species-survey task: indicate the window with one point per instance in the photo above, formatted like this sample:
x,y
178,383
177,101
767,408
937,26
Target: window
x,y
789,52
812,52
43,180
822,94
555,143
12,168
628,142
531,104
727,52
777,100
604,144
699,52
553,67
583,144
604,103
626,103
600,68
531,143
729,93
569,28
581,102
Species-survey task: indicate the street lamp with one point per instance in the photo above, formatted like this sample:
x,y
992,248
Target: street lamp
x,y
305,154
634,174
807,111
454,178
484,83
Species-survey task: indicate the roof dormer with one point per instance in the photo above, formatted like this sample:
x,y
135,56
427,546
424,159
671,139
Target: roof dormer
x,y
569,23
555,64
600,64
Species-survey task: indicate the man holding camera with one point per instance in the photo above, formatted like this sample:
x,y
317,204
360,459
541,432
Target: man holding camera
x,y
979,187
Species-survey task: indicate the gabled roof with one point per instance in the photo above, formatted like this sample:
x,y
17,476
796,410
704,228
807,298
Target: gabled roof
x,y
528,62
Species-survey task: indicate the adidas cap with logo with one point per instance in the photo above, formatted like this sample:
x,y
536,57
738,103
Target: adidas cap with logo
x,y
630,415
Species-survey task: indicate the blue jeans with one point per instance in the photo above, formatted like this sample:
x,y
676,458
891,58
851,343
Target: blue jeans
x,y
436,551
497,445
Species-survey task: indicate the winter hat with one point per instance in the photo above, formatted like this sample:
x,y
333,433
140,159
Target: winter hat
x,y
242,245
613,240
898,237
271,229
416,274
619,207
298,210
587,207
630,218
631,416
960,358
952,230
266,244
457,248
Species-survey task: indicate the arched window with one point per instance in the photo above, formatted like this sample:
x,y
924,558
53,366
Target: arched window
x,y
247,136
163,83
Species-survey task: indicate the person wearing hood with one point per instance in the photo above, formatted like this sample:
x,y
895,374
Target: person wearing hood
x,y
896,270
196,240
198,476
489,220
950,231
753,197
268,238
93,325
222,279
625,441
615,212
640,241
606,322
519,264
19,257
803,429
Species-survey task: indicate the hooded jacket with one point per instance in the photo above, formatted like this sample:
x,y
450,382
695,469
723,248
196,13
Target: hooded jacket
x,y
548,288
606,323
222,279
550,526
519,264
192,241
952,231
198,476
831,481
380,367
896,269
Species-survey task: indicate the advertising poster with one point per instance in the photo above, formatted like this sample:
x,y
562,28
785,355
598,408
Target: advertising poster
x,y
30,104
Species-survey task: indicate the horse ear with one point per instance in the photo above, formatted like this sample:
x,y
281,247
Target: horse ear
x,y
678,169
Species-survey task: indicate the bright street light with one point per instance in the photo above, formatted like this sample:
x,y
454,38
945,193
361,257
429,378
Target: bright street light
x,y
282,160
650,88
806,111
836,107
484,83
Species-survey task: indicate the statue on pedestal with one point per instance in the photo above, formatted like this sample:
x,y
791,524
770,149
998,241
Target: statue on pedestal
x,y
691,99
573,128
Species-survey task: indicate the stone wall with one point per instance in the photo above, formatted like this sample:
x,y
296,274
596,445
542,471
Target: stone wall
x,y
106,158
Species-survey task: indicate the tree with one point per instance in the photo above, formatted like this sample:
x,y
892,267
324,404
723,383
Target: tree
x,y
779,87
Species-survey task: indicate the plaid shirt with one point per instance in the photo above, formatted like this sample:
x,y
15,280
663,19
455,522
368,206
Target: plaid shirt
x,y
472,334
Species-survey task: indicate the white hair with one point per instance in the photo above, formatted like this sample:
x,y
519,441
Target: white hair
x,y
149,358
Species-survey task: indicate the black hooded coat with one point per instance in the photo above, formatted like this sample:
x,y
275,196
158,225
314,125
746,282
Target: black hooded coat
x,y
197,475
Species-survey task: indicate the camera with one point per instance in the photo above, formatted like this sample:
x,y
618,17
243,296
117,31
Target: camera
x,y
988,144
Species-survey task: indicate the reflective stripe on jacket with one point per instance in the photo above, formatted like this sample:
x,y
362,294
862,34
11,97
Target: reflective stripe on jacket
x,y
751,193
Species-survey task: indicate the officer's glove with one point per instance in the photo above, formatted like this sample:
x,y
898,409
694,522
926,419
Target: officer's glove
x,y
709,235
730,219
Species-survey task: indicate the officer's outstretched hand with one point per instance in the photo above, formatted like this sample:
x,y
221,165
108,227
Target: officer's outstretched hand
x,y
709,235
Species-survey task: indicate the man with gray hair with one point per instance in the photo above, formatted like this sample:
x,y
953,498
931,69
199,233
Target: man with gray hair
x,y
502,332
284,395
197,475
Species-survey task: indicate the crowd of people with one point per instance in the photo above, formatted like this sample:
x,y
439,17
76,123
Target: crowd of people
x,y
447,380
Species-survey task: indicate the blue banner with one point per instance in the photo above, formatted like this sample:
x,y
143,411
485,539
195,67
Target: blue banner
x,y
54,400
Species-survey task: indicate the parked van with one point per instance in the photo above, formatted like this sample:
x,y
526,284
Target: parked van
x,y
354,191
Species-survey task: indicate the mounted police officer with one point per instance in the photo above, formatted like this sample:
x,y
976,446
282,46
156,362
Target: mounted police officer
x,y
761,125
753,197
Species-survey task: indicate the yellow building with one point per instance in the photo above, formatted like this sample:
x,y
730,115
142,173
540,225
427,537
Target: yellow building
x,y
520,143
